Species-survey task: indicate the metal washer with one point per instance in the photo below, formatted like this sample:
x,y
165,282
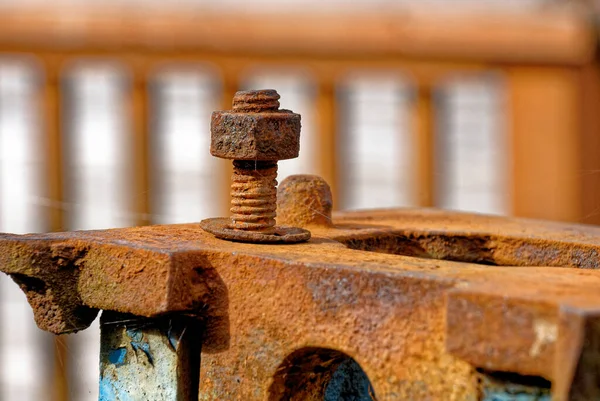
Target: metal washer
x,y
219,227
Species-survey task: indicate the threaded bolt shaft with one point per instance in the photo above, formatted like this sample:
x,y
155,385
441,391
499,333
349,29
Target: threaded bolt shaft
x,y
253,195
256,101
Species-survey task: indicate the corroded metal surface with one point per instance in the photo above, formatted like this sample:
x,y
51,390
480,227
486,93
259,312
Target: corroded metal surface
x,y
418,298
48,273
142,278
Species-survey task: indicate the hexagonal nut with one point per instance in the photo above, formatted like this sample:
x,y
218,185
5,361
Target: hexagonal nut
x,y
255,136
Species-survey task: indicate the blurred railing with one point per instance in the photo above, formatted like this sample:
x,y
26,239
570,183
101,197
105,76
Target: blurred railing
x,y
547,60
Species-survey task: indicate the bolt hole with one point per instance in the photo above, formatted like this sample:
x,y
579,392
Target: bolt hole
x,y
320,374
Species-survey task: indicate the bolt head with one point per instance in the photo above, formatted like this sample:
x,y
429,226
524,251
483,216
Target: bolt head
x,y
255,136
304,200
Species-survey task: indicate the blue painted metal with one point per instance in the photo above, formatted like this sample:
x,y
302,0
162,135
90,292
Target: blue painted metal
x,y
347,382
511,387
149,359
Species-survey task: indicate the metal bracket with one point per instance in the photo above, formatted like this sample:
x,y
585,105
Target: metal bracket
x,y
422,302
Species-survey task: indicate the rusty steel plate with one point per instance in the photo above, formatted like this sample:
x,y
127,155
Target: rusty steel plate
x,y
423,300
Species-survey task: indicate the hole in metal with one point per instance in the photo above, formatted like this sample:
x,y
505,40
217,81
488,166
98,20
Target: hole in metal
x,y
320,374
504,386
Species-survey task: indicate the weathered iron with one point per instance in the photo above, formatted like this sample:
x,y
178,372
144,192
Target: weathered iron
x,y
402,304
255,134
426,302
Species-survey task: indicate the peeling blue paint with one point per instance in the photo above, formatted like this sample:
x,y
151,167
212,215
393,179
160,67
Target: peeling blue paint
x,y
135,335
117,356
113,390
349,381
499,395
138,343
173,340
512,387
139,359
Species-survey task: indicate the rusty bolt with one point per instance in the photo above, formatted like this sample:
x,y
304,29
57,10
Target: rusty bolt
x,y
255,134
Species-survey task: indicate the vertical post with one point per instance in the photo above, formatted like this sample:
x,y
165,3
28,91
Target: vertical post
x,y
141,137
51,100
423,126
54,140
590,144
326,117
544,109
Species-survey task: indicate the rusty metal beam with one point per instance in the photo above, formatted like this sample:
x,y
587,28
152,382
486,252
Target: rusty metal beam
x,y
418,298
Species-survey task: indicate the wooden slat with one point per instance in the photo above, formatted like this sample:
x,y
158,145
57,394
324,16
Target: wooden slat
x,y
544,105
326,114
139,98
54,168
550,35
423,126
51,101
590,144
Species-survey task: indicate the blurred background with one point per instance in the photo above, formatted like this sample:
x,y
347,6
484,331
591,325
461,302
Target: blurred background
x,y
489,107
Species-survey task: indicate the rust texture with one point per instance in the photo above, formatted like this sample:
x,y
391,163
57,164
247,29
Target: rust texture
x,y
48,272
255,134
420,299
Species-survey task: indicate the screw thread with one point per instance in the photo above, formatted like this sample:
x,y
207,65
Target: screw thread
x,y
256,101
253,195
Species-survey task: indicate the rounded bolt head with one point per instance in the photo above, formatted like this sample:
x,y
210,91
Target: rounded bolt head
x,y
304,200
